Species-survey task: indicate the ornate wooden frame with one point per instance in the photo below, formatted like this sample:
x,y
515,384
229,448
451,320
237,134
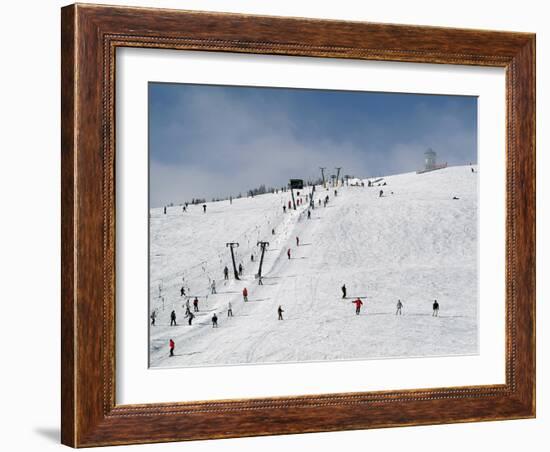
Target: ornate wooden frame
x,y
90,35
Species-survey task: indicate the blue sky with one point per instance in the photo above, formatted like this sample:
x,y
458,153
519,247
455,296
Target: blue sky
x,y
213,141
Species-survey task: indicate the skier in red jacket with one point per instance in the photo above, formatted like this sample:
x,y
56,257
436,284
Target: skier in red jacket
x,y
358,303
245,294
172,346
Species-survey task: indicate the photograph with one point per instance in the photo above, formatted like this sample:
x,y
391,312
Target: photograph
x,y
295,225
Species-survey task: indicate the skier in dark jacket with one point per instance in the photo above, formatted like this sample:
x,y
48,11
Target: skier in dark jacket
x,y
196,305
182,291
344,291
214,321
381,193
173,318
153,317
309,214
190,317
435,307
240,269
226,273
204,208
280,312
288,253
399,307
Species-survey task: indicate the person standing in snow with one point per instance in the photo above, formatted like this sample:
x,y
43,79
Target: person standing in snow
x,y
229,310
182,291
273,231
164,210
344,291
399,306
173,318
251,258
226,273
297,241
240,269
289,205
213,287
153,317
435,307
204,208
214,321
284,208
288,253
280,312
358,303
172,345
380,193
190,317
187,305
245,294
309,214
196,305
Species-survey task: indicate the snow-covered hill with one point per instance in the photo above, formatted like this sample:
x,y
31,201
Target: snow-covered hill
x,y
416,243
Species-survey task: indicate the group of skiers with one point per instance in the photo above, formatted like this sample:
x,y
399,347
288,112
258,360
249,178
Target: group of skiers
x,y
358,303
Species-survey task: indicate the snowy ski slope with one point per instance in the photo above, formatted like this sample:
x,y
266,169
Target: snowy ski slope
x,y
417,244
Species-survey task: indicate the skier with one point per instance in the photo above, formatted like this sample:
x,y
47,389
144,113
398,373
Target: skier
x,y
240,269
289,205
319,203
213,287
399,306
204,208
182,291
153,317
187,306
252,258
335,193
381,193
226,273
272,231
229,310
245,294
358,303
280,312
164,210
173,318
196,305
297,241
344,291
184,209
435,306
214,321
309,214
288,253
172,345
284,208
190,316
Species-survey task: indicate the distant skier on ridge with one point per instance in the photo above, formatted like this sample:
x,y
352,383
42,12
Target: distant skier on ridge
x,y
344,291
280,312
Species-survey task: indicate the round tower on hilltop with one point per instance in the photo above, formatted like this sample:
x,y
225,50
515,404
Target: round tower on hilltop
x,y
429,159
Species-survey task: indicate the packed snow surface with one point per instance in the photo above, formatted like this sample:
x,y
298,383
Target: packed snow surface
x,y
415,243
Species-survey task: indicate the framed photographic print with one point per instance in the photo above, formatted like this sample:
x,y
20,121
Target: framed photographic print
x,y
281,225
